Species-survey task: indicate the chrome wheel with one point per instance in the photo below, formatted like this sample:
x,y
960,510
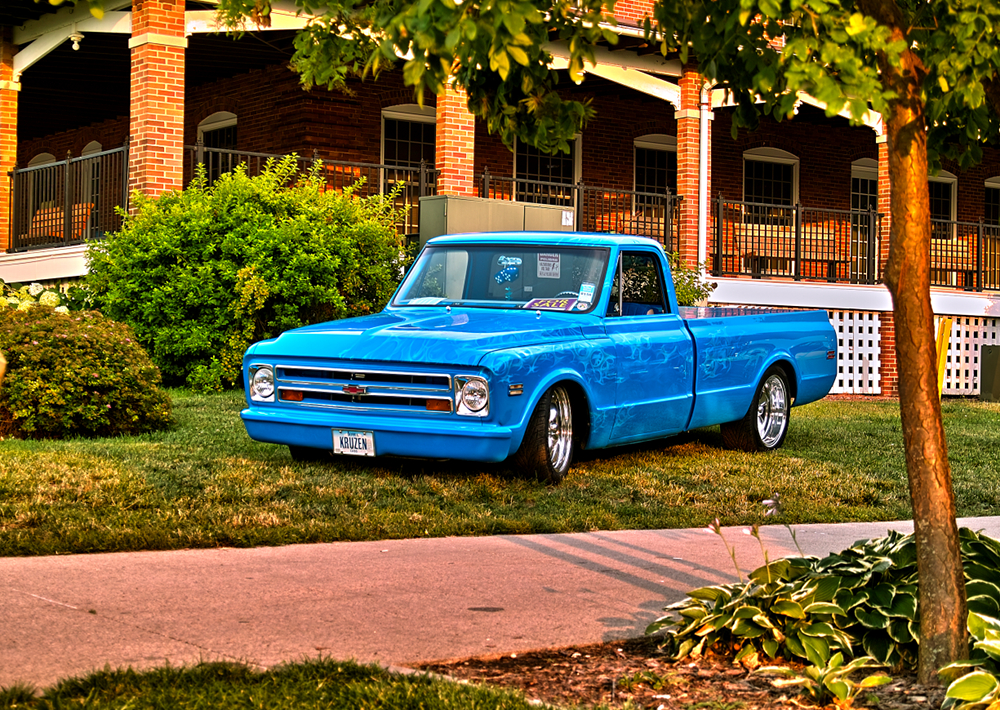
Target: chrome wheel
x,y
560,430
772,411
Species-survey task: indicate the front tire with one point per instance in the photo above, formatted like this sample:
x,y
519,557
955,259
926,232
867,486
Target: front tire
x,y
547,449
764,426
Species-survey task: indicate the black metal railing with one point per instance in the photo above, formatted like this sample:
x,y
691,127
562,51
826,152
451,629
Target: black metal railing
x,y
595,209
68,202
965,255
792,241
366,178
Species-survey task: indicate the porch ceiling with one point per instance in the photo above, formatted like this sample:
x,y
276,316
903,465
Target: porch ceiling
x,y
67,89
14,13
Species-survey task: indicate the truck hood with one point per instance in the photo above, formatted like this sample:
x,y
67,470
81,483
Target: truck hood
x,y
426,335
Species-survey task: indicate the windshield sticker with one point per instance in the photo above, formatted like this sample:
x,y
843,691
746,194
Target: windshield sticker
x,y
581,306
587,292
551,304
549,266
426,301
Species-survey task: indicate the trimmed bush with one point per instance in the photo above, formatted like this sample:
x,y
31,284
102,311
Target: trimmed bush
x,y
75,374
202,273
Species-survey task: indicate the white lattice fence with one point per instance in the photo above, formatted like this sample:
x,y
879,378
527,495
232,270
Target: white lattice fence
x,y
968,335
858,348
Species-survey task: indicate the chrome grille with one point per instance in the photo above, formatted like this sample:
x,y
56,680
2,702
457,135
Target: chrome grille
x,y
364,390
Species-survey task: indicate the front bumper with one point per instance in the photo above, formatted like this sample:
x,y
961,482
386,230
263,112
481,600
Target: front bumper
x,y
394,435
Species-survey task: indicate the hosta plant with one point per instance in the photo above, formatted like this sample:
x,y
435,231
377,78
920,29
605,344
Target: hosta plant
x,y
862,601
974,683
828,679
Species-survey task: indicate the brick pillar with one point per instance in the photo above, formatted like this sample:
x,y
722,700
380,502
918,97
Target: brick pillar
x,y
455,144
889,374
884,199
8,130
156,128
688,142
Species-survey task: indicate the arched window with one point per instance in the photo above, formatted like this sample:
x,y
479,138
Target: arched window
x,y
408,135
991,201
217,133
864,184
942,188
770,176
91,148
655,160
41,159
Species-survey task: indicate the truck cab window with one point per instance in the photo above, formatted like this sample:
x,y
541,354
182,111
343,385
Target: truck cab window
x,y
638,286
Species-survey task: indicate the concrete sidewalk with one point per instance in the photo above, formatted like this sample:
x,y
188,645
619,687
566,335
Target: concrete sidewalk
x,y
397,602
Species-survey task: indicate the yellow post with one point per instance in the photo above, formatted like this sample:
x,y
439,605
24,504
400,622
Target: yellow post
x,y
943,334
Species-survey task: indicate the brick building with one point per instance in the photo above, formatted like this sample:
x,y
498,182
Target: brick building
x,y
794,214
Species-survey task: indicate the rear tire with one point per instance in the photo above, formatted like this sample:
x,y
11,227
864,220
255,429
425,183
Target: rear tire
x,y
547,449
307,454
764,426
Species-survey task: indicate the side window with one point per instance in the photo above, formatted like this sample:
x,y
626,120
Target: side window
x,y
638,286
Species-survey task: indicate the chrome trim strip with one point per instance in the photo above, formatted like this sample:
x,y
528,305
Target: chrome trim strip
x,y
336,384
369,394
367,372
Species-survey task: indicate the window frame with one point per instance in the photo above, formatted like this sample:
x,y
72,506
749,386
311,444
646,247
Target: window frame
x,y
775,156
411,113
946,178
654,141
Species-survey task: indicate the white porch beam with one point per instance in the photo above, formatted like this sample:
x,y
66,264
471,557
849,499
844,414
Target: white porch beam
x,y
632,78
650,63
204,21
38,45
871,118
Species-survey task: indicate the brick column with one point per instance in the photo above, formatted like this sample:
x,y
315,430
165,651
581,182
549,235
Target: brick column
x,y
156,128
455,144
889,371
884,199
8,130
688,143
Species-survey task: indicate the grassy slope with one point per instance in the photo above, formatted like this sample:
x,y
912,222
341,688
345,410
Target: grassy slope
x,y
205,483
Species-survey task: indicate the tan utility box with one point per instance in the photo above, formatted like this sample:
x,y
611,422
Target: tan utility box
x,y
458,214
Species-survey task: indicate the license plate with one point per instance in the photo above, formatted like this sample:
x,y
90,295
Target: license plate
x,y
353,443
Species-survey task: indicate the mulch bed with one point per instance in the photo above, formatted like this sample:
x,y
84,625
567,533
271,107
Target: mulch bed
x,y
635,672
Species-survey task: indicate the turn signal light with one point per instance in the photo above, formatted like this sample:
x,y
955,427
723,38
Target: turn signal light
x,y
438,405
291,395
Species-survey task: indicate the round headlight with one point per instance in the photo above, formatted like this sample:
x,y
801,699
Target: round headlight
x,y
263,383
475,395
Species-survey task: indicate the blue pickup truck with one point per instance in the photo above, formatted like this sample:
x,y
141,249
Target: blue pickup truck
x,y
527,346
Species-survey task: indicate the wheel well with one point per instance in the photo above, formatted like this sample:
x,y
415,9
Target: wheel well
x,y
581,410
790,376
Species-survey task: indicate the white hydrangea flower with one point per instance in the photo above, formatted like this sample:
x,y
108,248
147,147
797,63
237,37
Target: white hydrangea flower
x,y
49,299
26,305
13,301
35,289
62,309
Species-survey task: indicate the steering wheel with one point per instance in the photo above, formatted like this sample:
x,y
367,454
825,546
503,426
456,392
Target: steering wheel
x,y
567,293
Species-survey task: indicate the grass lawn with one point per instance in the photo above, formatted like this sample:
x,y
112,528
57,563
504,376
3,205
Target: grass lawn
x,y
205,483
311,684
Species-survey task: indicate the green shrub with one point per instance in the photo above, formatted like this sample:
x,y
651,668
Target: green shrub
x,y
688,282
75,374
202,273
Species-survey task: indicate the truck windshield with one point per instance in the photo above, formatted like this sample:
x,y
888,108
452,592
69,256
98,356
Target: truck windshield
x,y
532,277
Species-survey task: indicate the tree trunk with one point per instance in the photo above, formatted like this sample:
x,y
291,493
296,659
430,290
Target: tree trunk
x,y
943,615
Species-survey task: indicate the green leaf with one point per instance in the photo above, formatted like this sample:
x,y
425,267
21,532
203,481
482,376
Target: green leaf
x,y
770,647
875,680
899,631
878,645
518,54
711,594
982,626
817,649
975,686
990,648
870,618
905,606
839,688
824,608
787,607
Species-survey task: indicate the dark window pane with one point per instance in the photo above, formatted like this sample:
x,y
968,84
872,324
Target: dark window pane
x,y
992,206
532,167
406,143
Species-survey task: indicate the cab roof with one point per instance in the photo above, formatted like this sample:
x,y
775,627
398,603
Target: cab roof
x,y
576,239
